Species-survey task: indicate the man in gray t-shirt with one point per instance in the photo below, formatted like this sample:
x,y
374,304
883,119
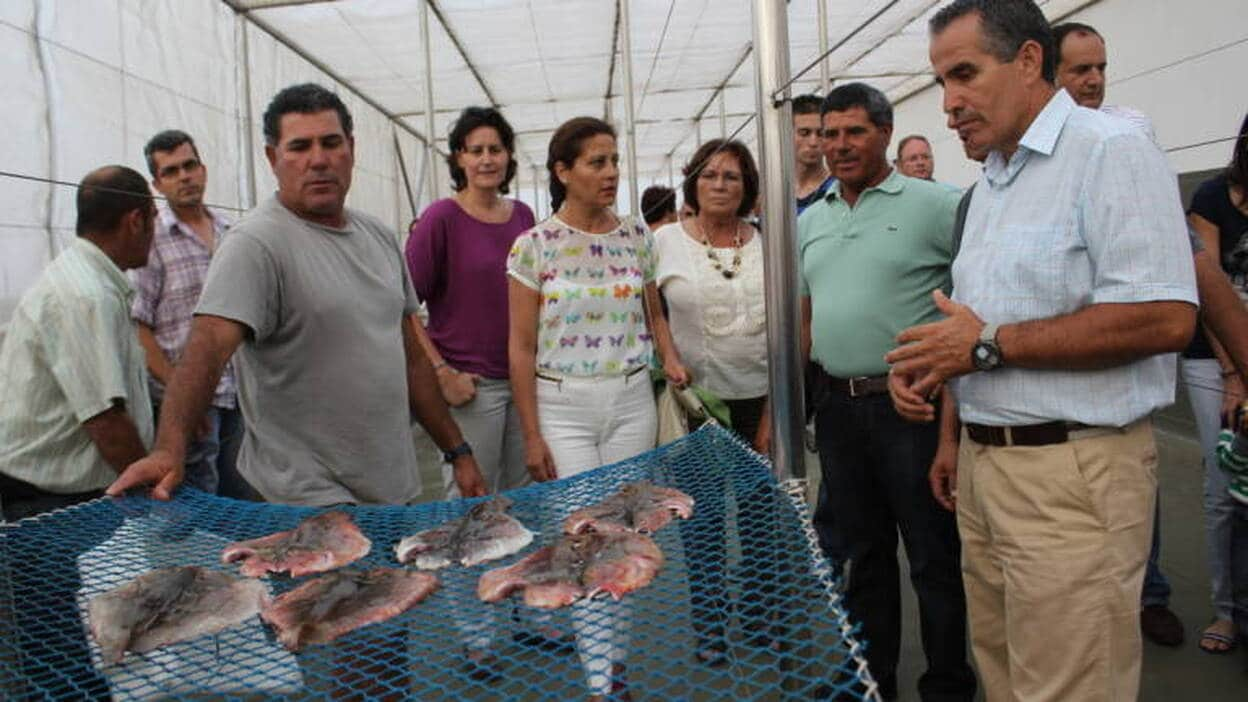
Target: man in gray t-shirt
x,y
317,302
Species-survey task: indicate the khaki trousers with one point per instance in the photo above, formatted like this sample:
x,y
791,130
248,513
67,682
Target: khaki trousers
x,y
1054,542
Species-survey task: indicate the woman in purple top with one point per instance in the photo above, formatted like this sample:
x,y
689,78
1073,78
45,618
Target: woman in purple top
x,y
457,255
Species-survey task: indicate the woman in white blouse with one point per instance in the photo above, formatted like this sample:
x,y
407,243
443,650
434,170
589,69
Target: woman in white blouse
x,y
711,274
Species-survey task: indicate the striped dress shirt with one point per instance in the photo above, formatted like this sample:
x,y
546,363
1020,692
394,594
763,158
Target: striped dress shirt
x,y
70,353
1085,212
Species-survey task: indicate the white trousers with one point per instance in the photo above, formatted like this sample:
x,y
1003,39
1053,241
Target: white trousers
x,y
586,423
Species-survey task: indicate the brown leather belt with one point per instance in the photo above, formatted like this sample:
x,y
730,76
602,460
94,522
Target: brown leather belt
x,y
862,386
1027,434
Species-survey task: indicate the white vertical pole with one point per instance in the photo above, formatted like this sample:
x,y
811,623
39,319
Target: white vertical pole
x,y
430,141
723,117
697,133
823,46
775,146
630,126
671,170
247,130
537,195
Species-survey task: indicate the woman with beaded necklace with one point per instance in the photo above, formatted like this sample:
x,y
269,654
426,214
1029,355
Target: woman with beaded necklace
x,y
711,275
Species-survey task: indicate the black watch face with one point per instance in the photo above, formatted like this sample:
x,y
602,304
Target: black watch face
x,y
985,356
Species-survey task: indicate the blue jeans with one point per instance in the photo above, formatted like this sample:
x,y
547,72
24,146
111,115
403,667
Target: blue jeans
x,y
875,465
211,460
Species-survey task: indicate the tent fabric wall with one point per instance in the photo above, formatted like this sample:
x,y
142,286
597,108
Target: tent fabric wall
x,y
91,82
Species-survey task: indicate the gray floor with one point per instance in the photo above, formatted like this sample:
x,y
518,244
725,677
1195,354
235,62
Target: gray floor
x,y
1183,673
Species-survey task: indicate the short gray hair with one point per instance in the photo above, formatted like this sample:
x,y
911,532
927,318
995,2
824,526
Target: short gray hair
x,y
1006,26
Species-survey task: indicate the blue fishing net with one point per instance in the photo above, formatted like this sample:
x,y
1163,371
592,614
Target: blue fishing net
x,y
743,577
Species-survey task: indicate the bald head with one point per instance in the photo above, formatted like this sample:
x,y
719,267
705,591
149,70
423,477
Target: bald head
x,y
106,195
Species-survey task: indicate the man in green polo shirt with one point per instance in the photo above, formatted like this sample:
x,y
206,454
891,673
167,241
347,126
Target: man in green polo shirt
x,y
872,251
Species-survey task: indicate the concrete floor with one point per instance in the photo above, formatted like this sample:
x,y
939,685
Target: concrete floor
x,y
1182,673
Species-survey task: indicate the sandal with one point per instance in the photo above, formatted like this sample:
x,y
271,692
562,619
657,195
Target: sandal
x,y
1217,643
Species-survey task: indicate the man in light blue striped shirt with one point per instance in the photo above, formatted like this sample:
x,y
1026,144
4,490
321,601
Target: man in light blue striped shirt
x,y
1074,285
76,412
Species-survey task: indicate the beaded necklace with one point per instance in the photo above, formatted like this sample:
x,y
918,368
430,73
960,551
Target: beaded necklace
x,y
735,267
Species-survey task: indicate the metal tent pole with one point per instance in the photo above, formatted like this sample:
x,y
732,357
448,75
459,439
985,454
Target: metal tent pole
x,y
723,118
671,170
630,124
823,46
537,196
247,184
430,143
775,146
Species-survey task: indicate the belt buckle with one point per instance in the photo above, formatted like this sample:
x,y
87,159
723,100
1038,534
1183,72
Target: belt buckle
x,y
853,386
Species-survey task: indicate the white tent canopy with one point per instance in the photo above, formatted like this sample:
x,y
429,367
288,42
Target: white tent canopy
x,y
92,81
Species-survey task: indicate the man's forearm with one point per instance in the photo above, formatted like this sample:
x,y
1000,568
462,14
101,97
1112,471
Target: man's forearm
x,y
157,362
1099,336
1223,311
116,437
189,392
424,396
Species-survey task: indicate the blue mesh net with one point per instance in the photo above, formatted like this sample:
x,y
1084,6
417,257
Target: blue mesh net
x,y
744,575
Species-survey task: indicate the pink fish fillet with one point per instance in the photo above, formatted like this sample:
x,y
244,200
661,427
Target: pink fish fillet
x,y
319,544
575,567
323,609
641,506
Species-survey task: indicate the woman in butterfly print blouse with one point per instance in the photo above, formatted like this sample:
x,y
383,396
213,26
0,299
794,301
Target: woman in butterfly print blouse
x,y
581,284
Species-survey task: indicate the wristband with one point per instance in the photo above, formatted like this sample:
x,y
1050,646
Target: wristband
x,y
462,450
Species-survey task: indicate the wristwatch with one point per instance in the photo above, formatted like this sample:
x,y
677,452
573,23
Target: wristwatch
x,y
986,354
462,450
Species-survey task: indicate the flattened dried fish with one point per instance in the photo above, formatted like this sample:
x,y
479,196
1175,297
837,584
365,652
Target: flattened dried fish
x,y
319,544
323,609
485,533
576,566
170,605
641,506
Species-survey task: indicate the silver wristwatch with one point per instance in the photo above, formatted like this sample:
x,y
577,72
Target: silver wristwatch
x,y
986,354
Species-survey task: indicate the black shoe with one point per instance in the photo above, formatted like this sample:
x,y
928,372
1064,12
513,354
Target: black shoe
x,y
1161,626
536,639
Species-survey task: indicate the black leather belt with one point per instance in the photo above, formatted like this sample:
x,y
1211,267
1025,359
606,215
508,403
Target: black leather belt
x,y
1025,435
862,386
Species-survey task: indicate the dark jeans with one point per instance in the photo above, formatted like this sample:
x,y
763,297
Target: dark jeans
x,y
1156,585
1239,569
49,639
875,465
211,460
704,537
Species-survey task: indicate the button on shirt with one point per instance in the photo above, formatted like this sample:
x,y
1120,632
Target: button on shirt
x,y
71,350
870,269
168,289
1085,212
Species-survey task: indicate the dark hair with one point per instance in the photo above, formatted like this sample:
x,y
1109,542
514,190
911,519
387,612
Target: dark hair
x,y
901,145
1006,25
565,147
107,194
657,202
1061,30
305,99
807,104
167,140
843,97
704,154
470,119
1237,172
